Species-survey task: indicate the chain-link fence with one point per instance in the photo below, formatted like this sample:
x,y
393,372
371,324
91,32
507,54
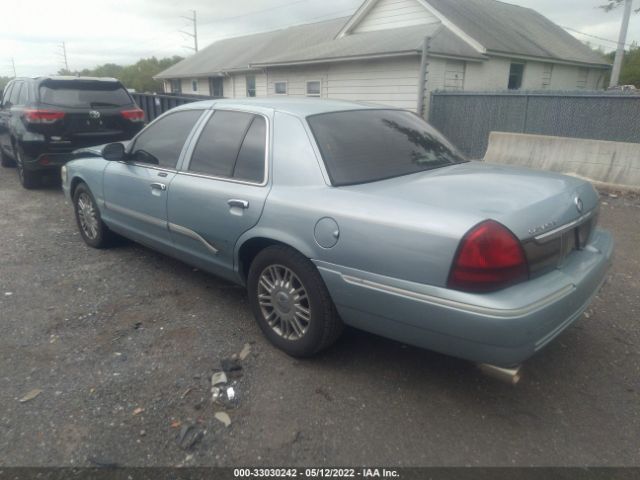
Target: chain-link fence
x,y
467,118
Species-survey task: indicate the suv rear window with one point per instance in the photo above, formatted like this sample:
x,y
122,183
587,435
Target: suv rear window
x,y
84,94
364,146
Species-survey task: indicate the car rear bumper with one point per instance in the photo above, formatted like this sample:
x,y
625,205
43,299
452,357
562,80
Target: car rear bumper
x,y
45,155
502,328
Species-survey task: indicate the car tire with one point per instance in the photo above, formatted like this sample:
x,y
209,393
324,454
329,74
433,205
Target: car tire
x,y
291,302
4,161
28,179
93,230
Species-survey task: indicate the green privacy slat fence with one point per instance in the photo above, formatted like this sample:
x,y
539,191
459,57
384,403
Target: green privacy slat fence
x,y
156,105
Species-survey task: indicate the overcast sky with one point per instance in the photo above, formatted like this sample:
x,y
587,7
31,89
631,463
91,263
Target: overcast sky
x,y
122,31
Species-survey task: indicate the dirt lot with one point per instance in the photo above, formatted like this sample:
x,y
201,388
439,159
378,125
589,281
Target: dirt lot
x,y
122,344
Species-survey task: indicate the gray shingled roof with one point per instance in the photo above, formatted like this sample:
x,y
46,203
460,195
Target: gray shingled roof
x,y
500,27
239,53
513,30
383,42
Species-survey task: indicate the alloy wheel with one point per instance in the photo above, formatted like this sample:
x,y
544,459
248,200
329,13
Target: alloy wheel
x,y
87,215
284,302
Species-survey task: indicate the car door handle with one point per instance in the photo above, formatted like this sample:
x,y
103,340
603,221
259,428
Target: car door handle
x,y
159,186
238,203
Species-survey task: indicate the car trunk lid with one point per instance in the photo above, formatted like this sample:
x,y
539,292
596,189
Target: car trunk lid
x,y
551,214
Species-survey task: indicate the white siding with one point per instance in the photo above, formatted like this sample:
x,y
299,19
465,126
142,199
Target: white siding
x,y
203,86
547,75
390,82
454,75
227,87
388,14
297,78
490,75
241,85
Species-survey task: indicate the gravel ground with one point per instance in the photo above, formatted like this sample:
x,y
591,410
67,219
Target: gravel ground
x,y
122,344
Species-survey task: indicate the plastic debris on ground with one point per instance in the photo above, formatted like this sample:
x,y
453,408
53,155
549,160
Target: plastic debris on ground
x,y
189,436
232,367
224,418
31,395
244,353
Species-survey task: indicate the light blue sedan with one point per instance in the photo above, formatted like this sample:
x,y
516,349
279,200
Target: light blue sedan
x,y
334,213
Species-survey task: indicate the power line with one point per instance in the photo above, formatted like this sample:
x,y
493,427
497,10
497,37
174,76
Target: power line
x,y
595,36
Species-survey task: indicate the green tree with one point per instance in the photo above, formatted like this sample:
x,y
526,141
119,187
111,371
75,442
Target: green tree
x,y
630,74
138,76
3,82
611,4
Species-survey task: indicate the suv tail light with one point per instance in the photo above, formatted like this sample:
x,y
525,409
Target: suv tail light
x,y
135,115
489,258
42,116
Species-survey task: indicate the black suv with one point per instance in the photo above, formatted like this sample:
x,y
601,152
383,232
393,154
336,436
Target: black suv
x,y
42,120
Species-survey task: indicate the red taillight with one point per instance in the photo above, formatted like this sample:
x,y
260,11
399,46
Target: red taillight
x,y
135,115
42,116
490,257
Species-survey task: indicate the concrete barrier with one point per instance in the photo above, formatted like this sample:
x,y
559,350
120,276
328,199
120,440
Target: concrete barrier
x,y
607,163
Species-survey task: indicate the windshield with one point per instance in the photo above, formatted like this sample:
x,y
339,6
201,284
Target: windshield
x,y
81,94
364,146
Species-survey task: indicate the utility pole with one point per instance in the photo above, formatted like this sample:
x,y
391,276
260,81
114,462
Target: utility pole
x,y
617,64
63,47
194,35
424,71
13,64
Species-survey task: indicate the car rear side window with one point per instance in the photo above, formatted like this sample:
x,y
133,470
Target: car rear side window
x,y
370,145
15,93
162,142
84,94
232,145
23,97
251,159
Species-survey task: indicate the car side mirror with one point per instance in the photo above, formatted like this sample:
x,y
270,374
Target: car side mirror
x,y
114,152
142,156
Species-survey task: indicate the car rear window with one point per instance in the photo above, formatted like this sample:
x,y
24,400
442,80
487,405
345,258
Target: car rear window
x,y
370,145
81,94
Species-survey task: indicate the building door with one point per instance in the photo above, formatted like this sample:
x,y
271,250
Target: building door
x,y
216,88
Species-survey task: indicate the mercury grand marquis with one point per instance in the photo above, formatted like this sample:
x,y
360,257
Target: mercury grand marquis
x,y
334,213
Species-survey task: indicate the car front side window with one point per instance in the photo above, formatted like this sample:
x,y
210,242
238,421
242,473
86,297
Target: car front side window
x,y
162,142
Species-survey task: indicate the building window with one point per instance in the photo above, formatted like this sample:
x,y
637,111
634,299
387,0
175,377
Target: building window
x,y
280,88
314,88
516,74
194,85
547,74
216,87
583,76
176,85
251,85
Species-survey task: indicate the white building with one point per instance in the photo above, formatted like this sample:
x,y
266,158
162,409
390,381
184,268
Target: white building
x,y
375,55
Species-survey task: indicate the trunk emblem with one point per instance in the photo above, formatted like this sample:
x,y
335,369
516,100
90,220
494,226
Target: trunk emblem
x,y
94,114
579,204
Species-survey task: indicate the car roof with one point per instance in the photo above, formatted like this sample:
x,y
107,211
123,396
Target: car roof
x,y
300,107
71,78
